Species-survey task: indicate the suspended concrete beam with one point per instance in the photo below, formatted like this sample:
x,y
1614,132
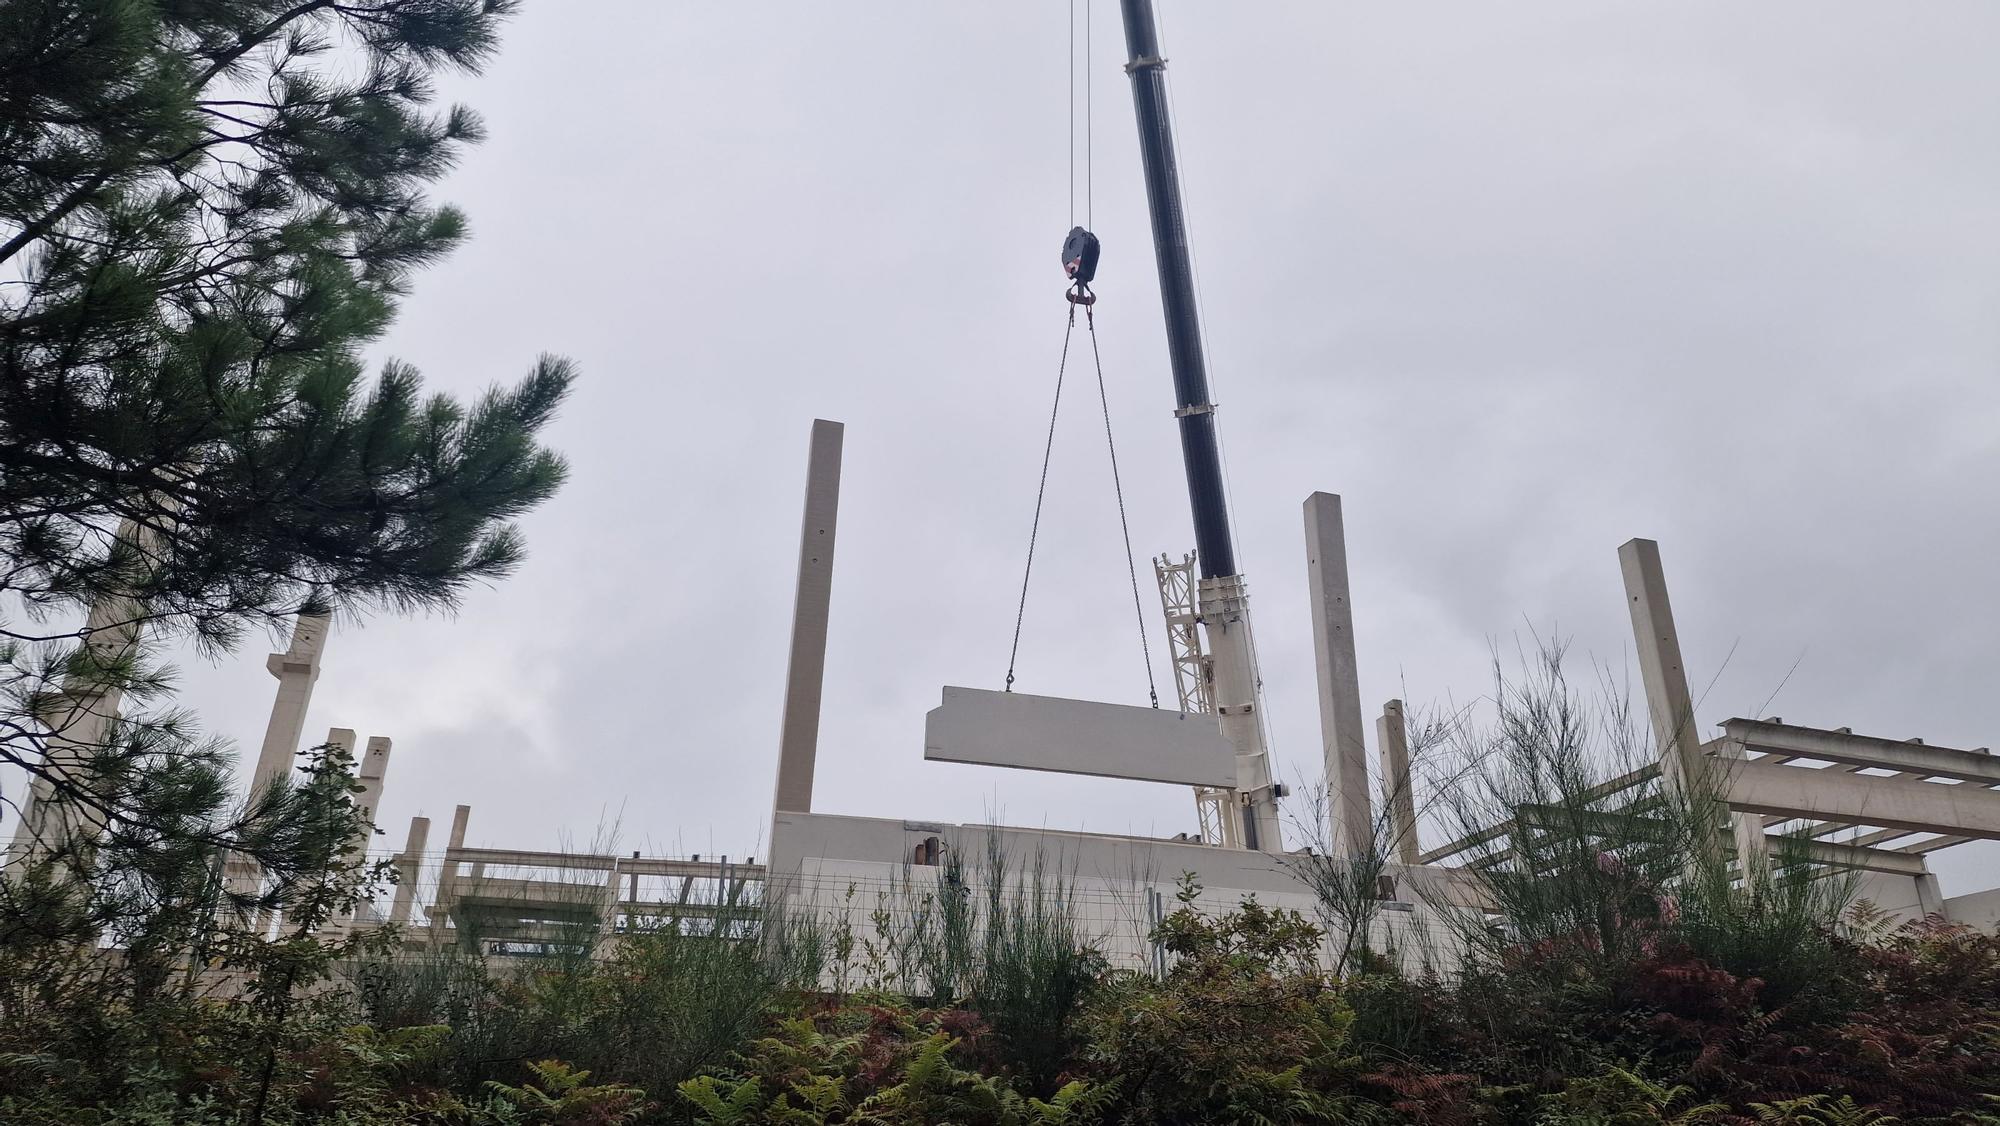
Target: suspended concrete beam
x,y
805,673
1340,718
986,728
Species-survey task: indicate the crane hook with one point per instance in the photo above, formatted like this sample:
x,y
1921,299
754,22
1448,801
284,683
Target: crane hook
x,y
1079,257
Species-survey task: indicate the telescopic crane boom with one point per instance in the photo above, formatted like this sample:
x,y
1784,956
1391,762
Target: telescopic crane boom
x,y
1231,678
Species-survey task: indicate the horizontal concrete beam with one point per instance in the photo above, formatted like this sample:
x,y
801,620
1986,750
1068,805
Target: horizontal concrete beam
x,y
1853,856
1602,789
603,862
1864,751
1012,729
1833,795
1629,827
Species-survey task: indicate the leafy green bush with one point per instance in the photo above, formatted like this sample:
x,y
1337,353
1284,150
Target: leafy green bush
x,y
877,1064
1243,1027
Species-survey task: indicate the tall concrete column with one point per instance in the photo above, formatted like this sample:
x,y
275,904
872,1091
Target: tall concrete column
x,y
805,673
1670,705
1398,794
78,720
372,772
1341,722
409,866
297,670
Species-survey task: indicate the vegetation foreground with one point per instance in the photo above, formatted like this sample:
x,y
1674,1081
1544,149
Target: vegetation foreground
x,y
211,212
995,1015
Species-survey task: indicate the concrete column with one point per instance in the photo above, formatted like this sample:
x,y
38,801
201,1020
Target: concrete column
x,y
297,670
409,867
372,772
447,888
798,740
1930,897
1340,719
1397,795
78,721
1670,706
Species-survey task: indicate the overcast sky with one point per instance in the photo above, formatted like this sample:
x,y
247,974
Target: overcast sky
x,y
1519,282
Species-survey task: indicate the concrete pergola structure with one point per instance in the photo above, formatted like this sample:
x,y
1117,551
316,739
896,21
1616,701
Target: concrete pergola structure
x,y
1897,801
1852,802
519,902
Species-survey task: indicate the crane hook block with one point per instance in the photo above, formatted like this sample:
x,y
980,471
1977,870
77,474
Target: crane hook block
x,y
1080,256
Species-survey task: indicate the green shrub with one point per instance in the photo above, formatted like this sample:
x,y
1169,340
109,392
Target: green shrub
x,y
1243,1027
876,1064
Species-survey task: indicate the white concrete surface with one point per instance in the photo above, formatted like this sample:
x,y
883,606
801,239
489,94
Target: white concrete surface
x,y
805,670
1341,722
1013,729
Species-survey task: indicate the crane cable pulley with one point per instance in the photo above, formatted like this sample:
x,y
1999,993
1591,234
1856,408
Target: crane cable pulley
x,y
1080,252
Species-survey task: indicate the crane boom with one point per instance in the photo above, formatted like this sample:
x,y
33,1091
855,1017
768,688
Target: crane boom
x,y
1222,604
1215,551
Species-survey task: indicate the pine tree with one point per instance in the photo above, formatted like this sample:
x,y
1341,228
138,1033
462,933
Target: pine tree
x,y
208,210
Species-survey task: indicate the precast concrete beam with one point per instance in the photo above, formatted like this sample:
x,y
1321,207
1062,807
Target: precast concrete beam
x,y
1863,751
1013,729
1796,791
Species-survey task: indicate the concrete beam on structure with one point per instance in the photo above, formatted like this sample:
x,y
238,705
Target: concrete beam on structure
x,y
1013,729
1629,827
1341,721
805,671
1602,789
1924,848
1796,791
1863,751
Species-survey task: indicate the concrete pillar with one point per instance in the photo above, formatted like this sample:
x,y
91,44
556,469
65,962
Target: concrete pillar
x,y
798,740
447,888
78,721
1930,897
297,670
1670,706
1398,797
372,772
1340,718
409,867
